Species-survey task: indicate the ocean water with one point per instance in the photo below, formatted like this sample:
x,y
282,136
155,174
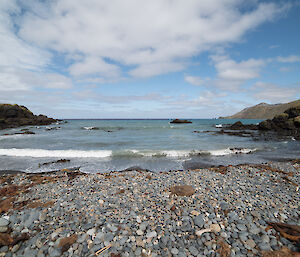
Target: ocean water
x,y
157,145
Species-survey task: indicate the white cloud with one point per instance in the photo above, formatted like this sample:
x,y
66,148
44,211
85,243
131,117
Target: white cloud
x,y
273,93
285,69
153,69
194,80
14,79
15,52
204,100
289,59
22,65
231,75
155,36
89,94
93,65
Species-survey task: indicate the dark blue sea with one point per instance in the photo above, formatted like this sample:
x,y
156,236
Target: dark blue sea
x,y
156,145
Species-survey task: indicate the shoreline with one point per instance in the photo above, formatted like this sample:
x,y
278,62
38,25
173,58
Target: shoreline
x,y
139,213
199,165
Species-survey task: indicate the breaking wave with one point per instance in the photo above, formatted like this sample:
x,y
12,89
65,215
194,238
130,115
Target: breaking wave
x,y
120,154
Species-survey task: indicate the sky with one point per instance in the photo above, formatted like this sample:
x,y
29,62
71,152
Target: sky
x,y
148,59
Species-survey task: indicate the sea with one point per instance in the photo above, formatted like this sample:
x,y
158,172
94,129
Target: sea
x,y
97,146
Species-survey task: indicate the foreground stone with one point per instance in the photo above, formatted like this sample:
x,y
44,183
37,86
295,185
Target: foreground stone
x,y
224,211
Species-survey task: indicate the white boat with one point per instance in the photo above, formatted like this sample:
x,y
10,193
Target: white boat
x,y
218,125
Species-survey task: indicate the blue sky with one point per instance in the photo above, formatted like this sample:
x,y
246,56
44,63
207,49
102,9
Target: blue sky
x,y
148,59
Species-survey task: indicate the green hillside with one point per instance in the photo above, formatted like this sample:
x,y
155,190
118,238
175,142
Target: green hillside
x,y
263,111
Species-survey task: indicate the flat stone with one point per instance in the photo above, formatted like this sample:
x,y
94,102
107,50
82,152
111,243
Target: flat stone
x,y
185,190
3,229
139,232
265,239
250,243
193,250
264,247
241,227
91,231
151,234
199,221
4,222
174,251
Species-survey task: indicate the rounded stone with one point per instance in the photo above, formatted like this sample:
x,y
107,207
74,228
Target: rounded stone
x,y
4,222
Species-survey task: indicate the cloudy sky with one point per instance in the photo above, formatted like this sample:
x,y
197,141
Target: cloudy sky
x,y
148,59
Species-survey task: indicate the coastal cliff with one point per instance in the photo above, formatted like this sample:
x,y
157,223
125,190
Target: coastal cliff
x,y
263,111
12,116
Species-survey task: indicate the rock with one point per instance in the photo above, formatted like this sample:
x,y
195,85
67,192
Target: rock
x,y
193,250
178,121
250,243
265,239
224,206
241,227
240,126
3,229
91,231
199,221
12,116
151,234
185,190
3,222
66,242
34,215
174,251
285,124
265,125
215,228
139,232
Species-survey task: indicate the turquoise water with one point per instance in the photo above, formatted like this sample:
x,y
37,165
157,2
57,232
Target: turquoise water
x,y
104,145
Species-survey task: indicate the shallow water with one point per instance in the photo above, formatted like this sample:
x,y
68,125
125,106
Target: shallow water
x,y
104,145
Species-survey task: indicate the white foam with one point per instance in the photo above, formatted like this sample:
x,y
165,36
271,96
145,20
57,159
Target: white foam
x,y
55,153
88,128
14,136
228,151
123,153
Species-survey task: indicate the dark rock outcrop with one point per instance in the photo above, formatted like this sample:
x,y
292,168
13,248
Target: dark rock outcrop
x,y
180,121
287,123
240,126
12,116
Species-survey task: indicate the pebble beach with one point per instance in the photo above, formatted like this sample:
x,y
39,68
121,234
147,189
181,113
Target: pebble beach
x,y
220,211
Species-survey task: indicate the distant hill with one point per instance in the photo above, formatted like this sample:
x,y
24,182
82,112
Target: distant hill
x,y
263,111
